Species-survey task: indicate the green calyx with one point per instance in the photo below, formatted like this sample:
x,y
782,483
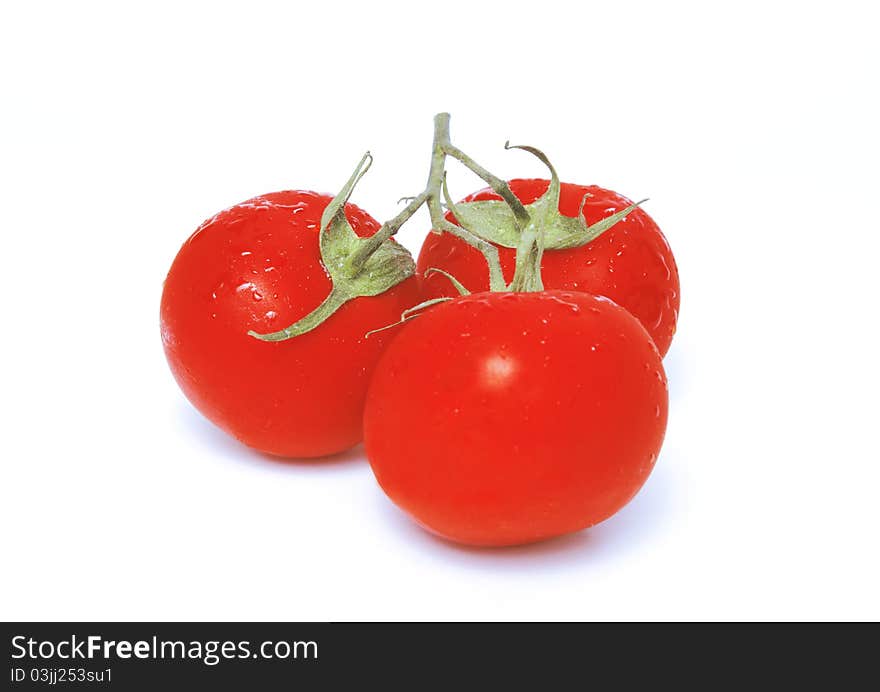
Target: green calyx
x,y
357,266
529,229
370,266
495,221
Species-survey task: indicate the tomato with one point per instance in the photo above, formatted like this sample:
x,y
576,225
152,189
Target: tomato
x,y
631,263
257,266
504,418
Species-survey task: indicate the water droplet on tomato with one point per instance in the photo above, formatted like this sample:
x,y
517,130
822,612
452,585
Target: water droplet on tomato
x,y
257,295
271,315
573,307
665,266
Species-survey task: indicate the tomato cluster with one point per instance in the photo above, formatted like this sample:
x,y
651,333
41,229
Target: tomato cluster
x,y
524,402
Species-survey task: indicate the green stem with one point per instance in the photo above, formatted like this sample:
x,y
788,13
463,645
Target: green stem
x,y
438,220
530,251
357,261
527,275
408,314
551,197
462,291
334,300
431,197
500,187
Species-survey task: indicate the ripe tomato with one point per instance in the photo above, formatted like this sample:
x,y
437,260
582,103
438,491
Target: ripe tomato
x,y
506,418
631,263
257,266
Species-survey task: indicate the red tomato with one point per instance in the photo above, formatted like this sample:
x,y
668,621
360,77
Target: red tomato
x,y
506,418
257,266
631,263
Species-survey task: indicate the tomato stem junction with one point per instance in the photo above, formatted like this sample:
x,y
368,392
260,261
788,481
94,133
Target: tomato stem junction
x,y
372,265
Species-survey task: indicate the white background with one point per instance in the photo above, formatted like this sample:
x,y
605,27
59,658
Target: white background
x,y
753,128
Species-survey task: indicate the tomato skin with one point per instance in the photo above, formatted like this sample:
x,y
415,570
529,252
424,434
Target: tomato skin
x,y
631,263
505,418
257,266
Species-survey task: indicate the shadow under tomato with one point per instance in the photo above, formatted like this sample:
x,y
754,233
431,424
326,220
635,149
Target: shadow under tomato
x,y
677,374
219,441
642,520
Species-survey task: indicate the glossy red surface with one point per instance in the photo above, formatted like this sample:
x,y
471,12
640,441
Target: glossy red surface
x,y
506,418
257,266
